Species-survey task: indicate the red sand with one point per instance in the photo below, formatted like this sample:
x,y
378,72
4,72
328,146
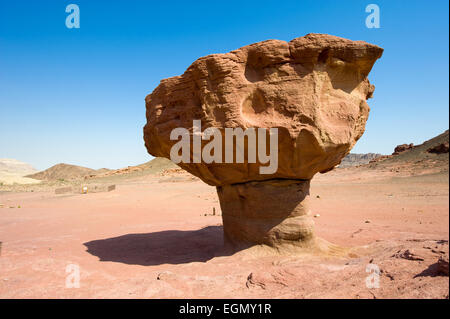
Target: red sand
x,y
151,239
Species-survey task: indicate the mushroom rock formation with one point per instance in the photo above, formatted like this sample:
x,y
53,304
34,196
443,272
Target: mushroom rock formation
x,y
313,89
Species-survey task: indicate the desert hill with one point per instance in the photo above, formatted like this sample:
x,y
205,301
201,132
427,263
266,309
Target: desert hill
x,y
63,171
14,166
68,172
12,171
156,165
431,155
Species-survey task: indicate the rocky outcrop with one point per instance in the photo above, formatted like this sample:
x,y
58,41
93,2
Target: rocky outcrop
x,y
401,148
313,89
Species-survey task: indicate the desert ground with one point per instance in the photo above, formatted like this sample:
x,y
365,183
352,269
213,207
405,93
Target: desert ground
x,y
159,235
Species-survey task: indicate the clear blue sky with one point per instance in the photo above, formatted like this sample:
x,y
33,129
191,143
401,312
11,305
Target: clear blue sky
x,y
77,95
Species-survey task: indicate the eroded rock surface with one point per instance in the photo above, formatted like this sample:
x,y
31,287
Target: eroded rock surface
x,y
313,89
270,212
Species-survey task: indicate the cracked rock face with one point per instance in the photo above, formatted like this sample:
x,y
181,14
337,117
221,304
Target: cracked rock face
x,y
313,89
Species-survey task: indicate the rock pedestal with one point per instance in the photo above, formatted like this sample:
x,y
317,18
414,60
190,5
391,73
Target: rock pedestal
x,y
272,212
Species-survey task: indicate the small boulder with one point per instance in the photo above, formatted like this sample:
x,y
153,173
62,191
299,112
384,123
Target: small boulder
x,y
443,265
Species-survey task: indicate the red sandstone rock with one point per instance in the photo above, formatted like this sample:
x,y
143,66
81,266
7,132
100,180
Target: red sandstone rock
x,y
313,89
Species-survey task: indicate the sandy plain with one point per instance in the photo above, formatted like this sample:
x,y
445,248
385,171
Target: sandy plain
x,y
160,236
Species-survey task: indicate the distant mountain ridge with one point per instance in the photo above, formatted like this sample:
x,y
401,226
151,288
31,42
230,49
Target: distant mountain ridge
x,y
354,159
430,154
73,172
156,165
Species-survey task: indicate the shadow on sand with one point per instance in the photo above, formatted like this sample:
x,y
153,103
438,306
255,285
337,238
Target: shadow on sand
x,y
164,247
